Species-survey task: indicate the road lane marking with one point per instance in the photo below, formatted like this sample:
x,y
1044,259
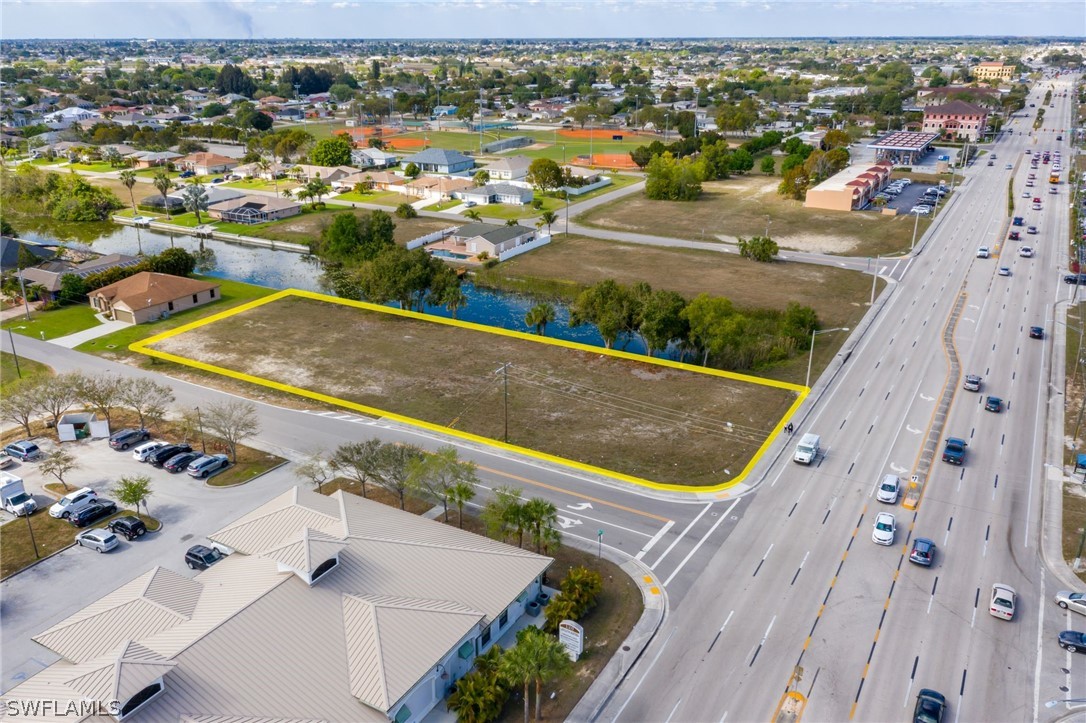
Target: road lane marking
x,y
644,675
682,535
672,713
701,542
656,538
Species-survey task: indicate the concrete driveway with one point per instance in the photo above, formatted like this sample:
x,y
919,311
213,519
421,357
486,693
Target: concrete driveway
x,y
41,596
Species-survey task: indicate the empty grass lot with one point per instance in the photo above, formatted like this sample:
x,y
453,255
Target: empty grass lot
x,y
28,370
742,206
649,421
838,296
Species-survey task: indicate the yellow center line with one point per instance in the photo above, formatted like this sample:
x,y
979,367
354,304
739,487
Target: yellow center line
x,y
578,495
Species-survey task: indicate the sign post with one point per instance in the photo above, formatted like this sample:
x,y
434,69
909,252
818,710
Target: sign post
x,y
599,540
571,635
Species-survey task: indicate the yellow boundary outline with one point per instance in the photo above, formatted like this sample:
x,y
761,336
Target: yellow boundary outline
x,y
142,347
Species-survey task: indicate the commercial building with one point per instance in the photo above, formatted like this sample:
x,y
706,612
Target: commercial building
x,y
956,119
993,71
850,189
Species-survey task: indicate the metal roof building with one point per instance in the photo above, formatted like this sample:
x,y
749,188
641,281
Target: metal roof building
x,y
334,609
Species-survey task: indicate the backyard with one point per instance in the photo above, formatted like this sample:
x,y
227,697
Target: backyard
x,y
646,420
746,206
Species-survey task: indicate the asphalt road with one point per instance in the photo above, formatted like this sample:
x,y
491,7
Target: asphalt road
x,y
799,599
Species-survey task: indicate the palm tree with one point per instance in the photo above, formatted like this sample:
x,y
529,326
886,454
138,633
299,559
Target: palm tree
x,y
317,188
539,316
537,657
128,178
265,166
163,183
459,494
473,214
548,217
518,667
540,515
195,198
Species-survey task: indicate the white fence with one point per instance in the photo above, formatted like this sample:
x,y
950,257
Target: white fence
x,y
435,236
524,248
603,182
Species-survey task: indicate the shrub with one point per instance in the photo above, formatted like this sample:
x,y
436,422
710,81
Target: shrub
x,y
406,210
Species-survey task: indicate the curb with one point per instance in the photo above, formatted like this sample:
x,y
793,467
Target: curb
x,y
208,484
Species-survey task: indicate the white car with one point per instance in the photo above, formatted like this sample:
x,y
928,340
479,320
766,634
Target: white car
x,y
1026,252
1026,194
142,452
6,460
1004,271
889,489
97,539
983,252
1003,599
921,210
885,526
1075,601
72,502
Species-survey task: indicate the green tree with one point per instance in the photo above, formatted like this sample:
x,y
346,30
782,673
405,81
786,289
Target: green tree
x,y
411,170
836,138
174,261
741,161
641,156
669,179
73,288
194,197
446,290
481,178
406,210
758,248
539,316
608,305
768,165
793,183
536,658
163,184
128,180
548,218
710,319
473,214
317,189
59,464
459,495
481,694
501,512
394,469
360,461
540,515
662,320
133,491
435,475
545,174
334,151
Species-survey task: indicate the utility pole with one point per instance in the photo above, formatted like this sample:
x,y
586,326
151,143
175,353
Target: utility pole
x,y
874,278
504,369
11,337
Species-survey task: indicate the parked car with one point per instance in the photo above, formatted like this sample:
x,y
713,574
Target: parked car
x,y
92,512
6,460
186,174
930,706
208,465
993,404
129,526
1036,332
24,451
972,383
923,552
161,455
72,502
201,557
145,450
127,437
97,539
1003,601
1074,279
1072,641
889,489
884,528
216,180
180,462
1075,601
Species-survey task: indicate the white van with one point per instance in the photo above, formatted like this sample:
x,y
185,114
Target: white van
x,y
808,448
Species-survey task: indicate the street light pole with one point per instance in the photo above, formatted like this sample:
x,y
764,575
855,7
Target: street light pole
x,y
916,225
591,138
200,424
874,279
810,359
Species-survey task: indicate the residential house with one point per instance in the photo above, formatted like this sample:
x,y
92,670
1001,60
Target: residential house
x,y
293,113
149,296
135,118
373,158
48,275
476,238
150,159
585,175
271,100
230,98
437,187
193,96
67,117
206,164
335,609
513,168
852,188
328,174
498,193
443,110
254,209
375,180
981,96
14,251
440,160
253,170
956,119
822,94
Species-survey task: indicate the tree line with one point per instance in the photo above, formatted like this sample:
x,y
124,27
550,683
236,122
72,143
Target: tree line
x,y
65,197
711,328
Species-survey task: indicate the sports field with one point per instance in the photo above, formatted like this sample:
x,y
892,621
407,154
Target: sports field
x,y
647,421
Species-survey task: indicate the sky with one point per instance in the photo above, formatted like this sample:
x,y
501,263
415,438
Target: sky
x,y
468,19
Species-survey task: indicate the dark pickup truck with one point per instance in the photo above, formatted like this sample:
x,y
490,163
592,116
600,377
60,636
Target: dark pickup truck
x,y
954,451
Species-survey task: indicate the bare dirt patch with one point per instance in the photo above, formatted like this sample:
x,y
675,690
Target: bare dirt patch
x,y
658,423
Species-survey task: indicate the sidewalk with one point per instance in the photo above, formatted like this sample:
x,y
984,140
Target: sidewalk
x,y
71,341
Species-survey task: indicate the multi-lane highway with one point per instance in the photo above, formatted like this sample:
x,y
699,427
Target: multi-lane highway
x,y
799,612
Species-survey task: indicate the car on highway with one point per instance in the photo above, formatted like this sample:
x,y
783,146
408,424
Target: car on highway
x,y
208,465
889,489
1008,167
1004,271
145,450
1026,252
1036,332
1036,205
92,512
1003,601
954,450
180,462
923,552
1026,194
1072,641
1075,601
1074,279
1031,230
72,502
129,526
24,451
983,252
930,706
1029,184
201,557
97,539
972,382
1014,236
884,528
993,404
125,438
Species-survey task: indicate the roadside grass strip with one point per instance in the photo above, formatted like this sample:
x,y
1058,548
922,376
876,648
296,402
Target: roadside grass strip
x,y
773,395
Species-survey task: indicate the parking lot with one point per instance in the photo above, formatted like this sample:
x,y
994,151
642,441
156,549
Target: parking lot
x,y
40,596
908,198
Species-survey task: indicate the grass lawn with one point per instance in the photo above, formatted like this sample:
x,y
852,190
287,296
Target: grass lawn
x,y
155,170
115,345
250,463
445,205
839,296
631,416
140,191
28,369
260,184
302,229
55,323
390,198
49,534
187,220
1074,493
1074,520
95,167
505,211
742,206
